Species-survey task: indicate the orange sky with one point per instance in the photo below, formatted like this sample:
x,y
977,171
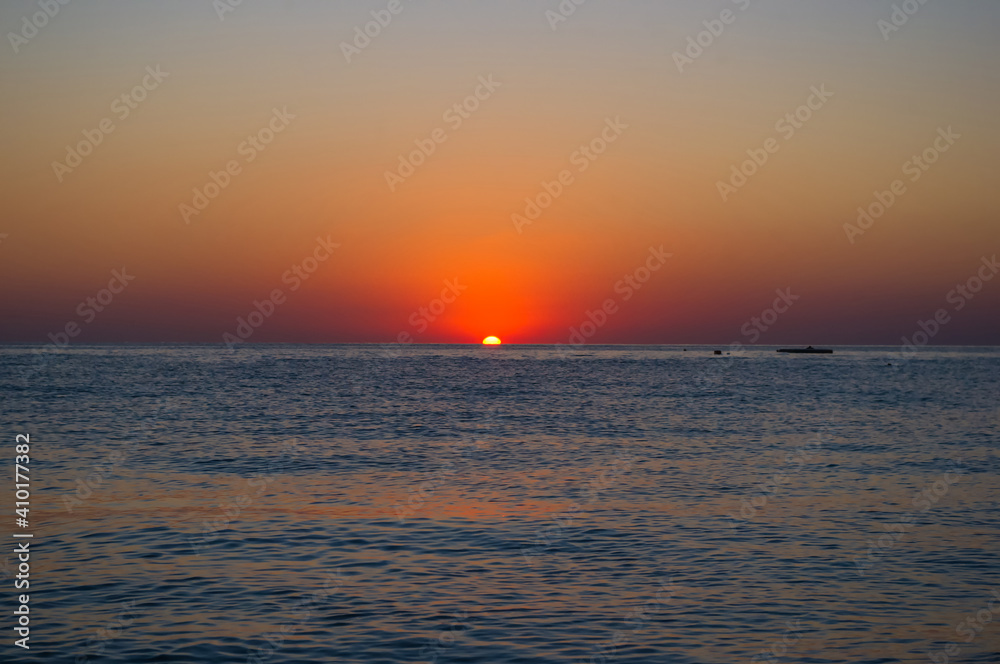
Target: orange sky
x,y
607,74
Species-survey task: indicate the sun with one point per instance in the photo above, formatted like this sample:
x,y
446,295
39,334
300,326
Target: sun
x,y
492,341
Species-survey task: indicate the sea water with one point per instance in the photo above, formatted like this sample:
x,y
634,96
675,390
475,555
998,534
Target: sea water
x,y
510,504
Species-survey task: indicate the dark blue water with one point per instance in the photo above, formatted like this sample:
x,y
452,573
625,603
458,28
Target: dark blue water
x,y
514,504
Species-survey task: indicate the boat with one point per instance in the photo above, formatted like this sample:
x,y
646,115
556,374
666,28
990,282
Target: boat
x,y
808,349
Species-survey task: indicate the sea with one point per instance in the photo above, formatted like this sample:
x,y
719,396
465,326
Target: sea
x,y
512,504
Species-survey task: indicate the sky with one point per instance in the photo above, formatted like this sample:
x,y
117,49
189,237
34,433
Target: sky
x,y
635,171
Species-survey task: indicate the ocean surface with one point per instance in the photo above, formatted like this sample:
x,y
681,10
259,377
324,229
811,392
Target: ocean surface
x,y
505,505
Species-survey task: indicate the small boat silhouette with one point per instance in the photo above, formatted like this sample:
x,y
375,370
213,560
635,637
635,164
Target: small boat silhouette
x,y
808,349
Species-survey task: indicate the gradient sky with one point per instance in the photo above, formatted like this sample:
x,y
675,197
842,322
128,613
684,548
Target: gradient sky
x,y
656,185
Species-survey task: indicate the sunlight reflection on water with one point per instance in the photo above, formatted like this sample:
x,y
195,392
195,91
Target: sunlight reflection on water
x,y
627,504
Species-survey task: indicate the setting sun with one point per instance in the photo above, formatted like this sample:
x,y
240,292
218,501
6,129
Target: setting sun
x,y
491,341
